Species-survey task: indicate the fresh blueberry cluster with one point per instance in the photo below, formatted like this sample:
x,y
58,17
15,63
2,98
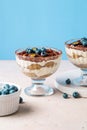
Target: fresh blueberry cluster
x,y
8,89
39,51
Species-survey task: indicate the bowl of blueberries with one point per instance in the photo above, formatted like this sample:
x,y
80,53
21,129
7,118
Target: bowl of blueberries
x,y
9,98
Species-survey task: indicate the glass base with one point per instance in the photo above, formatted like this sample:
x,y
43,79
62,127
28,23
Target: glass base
x,y
38,89
80,82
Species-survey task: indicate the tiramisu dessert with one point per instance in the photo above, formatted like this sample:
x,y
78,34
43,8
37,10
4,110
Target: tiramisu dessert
x,y
77,52
38,63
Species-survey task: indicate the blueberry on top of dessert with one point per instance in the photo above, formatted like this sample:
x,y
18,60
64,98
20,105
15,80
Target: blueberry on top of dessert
x,y
84,41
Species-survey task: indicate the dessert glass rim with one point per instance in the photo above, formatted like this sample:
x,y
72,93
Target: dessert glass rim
x,y
73,40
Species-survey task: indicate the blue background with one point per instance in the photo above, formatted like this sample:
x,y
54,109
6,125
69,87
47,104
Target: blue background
x,y
40,22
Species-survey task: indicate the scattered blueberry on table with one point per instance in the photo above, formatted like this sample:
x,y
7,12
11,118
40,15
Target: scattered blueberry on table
x,y
68,81
76,95
8,89
65,95
20,100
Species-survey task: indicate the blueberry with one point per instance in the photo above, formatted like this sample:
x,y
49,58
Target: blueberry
x,y
5,91
20,100
0,92
68,81
28,50
6,86
12,87
76,95
84,41
65,95
11,91
43,49
43,53
38,51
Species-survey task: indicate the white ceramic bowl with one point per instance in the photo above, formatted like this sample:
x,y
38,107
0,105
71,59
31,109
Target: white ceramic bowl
x,y
9,103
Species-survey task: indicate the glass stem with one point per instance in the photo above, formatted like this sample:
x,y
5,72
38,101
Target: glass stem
x,y
38,82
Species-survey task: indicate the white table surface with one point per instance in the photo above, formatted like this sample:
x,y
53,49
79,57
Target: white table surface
x,y
43,113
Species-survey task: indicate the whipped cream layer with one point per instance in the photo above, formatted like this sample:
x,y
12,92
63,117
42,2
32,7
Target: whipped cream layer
x,y
78,57
24,64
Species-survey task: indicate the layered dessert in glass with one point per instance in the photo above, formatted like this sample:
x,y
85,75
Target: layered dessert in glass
x,y
38,63
76,51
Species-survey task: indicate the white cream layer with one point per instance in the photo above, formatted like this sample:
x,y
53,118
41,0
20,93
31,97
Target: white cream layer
x,y
43,71
82,59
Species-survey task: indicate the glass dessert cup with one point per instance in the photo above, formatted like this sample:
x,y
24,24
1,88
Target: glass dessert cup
x,y
77,55
38,69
